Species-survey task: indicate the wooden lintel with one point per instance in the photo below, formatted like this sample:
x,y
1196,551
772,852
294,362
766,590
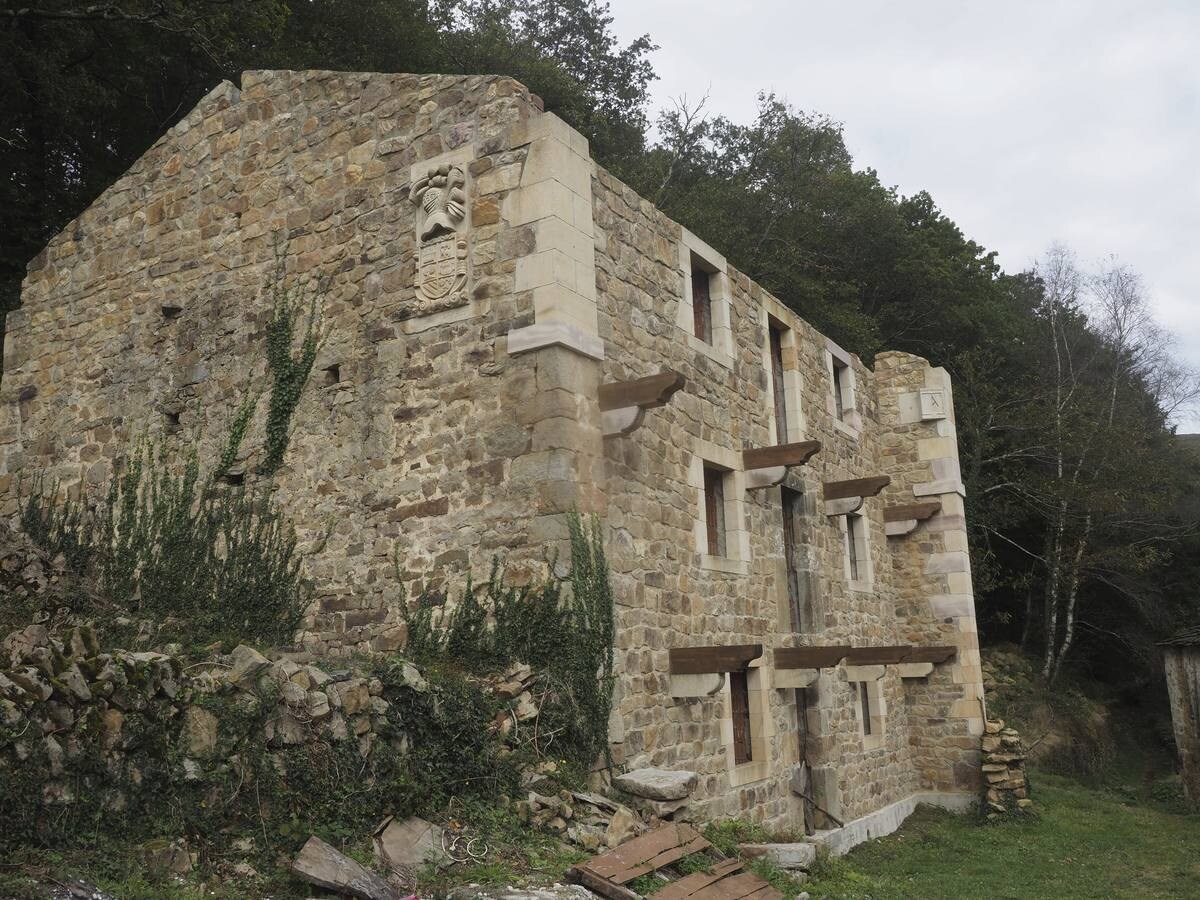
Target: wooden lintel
x,y
646,393
856,487
809,657
918,511
795,454
935,654
877,656
708,660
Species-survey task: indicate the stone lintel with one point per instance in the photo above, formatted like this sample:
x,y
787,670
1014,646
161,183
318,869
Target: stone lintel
x,y
762,478
796,678
900,529
864,673
843,506
705,685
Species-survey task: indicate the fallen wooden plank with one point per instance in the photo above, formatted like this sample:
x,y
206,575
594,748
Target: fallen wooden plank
x,y
637,851
663,859
602,886
735,887
688,885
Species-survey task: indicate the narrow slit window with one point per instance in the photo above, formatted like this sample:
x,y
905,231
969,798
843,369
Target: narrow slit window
x,y
702,303
714,510
739,705
841,384
792,503
853,530
780,396
864,703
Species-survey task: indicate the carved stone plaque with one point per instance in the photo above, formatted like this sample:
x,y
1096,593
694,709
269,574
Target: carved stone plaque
x,y
442,239
933,405
441,273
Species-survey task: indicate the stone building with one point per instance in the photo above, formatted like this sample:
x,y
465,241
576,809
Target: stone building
x,y
511,332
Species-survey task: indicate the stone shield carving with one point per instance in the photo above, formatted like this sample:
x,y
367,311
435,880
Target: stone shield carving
x,y
441,277
442,273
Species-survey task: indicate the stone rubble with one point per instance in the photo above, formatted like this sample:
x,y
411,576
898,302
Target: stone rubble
x,y
1004,770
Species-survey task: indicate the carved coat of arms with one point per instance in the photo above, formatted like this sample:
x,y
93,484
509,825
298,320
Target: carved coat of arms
x,y
442,242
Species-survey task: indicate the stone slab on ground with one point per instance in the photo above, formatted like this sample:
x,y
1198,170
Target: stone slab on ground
x,y
799,855
657,784
320,864
409,845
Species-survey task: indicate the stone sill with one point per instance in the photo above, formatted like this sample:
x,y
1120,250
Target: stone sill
x,y
724,564
847,428
720,357
748,772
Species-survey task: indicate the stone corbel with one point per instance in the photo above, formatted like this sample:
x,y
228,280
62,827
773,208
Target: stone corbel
x,y
767,466
864,673
845,497
915,670
623,404
901,520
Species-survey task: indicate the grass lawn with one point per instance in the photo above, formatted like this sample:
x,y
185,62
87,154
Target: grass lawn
x,y
1086,843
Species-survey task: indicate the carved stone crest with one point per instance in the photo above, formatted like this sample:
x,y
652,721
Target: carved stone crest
x,y
441,277
441,273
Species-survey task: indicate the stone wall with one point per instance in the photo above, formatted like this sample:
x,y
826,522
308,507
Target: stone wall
x,y
417,441
482,278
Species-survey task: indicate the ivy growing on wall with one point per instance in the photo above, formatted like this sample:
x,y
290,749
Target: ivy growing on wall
x,y
288,368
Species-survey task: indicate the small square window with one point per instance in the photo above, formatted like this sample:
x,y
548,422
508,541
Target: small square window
x,y
714,511
332,374
172,312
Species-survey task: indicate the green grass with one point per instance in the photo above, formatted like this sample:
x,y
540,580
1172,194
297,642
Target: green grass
x,y
1086,843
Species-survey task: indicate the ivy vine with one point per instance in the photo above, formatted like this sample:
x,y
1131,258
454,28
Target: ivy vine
x,y
288,369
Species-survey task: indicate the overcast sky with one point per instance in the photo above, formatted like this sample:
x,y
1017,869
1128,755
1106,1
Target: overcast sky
x,y
1029,122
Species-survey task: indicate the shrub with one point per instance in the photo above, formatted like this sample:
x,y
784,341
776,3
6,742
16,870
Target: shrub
x,y
562,627
169,545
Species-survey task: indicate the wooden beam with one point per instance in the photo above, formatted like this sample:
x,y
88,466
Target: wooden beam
x,y
918,511
935,654
795,454
877,656
856,487
707,660
646,393
809,657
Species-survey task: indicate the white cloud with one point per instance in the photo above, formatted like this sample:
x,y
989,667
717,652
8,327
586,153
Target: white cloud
x,y
1029,122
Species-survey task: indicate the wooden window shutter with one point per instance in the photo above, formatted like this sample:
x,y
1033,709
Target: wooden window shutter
x,y
852,526
781,422
714,510
864,698
702,304
739,696
792,501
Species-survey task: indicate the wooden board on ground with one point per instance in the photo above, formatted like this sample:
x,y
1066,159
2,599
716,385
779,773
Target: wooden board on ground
x,y
608,874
